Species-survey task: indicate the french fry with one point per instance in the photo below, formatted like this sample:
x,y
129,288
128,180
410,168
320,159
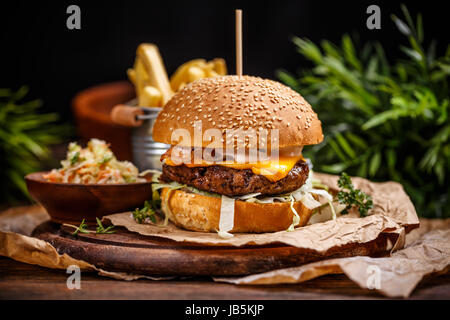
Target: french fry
x,y
150,80
132,76
150,97
180,75
147,95
141,76
195,73
151,59
197,69
220,66
208,69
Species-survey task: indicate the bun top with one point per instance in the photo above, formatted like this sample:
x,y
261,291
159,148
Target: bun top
x,y
238,102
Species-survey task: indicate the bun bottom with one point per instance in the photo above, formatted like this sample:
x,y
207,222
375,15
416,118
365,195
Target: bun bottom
x,y
197,212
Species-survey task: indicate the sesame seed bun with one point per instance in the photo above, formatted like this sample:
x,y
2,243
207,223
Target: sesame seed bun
x,y
197,212
238,102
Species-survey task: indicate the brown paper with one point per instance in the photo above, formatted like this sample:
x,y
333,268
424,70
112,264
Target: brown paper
x,y
391,213
427,225
35,251
389,198
22,220
20,246
319,237
427,249
395,276
433,244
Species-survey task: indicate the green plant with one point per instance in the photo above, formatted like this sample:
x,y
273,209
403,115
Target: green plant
x,y
25,136
148,211
382,121
352,197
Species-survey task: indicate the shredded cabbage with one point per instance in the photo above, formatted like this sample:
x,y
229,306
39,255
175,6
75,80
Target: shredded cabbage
x,y
296,218
333,212
173,185
248,196
166,202
304,194
226,221
94,164
155,176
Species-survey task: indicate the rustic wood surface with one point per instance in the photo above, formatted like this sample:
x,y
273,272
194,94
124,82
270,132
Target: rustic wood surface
x,y
133,253
23,281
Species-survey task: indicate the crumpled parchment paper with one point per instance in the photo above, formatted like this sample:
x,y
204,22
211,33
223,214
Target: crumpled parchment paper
x,y
16,226
394,276
392,213
427,249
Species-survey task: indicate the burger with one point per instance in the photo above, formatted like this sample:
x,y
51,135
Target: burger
x,y
235,163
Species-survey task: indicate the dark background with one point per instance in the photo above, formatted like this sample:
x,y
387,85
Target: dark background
x,y
39,51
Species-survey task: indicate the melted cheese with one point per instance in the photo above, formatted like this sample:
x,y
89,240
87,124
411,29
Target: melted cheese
x,y
272,170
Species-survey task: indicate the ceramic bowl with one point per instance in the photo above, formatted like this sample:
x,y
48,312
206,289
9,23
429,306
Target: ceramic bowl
x,y
71,202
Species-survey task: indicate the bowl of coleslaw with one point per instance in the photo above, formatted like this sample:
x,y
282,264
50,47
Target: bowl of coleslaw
x,y
91,183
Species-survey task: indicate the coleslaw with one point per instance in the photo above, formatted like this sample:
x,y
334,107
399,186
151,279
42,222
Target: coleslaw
x,y
94,164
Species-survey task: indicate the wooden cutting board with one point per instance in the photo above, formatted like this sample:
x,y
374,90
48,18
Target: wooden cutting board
x,y
131,252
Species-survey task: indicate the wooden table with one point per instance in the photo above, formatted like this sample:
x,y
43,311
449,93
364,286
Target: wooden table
x,y
23,281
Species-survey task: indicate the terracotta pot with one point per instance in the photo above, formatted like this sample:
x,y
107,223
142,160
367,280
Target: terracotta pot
x,y
92,109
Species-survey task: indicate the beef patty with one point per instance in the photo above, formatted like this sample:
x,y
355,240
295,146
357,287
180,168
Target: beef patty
x,y
233,182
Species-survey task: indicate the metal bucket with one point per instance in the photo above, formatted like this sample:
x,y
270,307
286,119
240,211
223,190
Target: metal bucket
x,y
147,152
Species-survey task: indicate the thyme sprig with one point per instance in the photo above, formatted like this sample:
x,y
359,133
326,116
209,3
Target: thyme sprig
x,y
83,228
102,230
352,197
147,212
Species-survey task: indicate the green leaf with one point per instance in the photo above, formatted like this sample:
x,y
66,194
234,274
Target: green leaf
x,y
391,158
372,69
356,140
337,150
75,158
374,164
402,27
102,230
419,27
385,119
147,212
25,136
407,17
308,49
334,168
349,53
345,146
288,79
439,171
352,197
330,49
385,67
382,118
412,53
362,170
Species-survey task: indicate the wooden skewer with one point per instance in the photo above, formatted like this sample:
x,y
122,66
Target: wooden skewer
x,y
239,42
